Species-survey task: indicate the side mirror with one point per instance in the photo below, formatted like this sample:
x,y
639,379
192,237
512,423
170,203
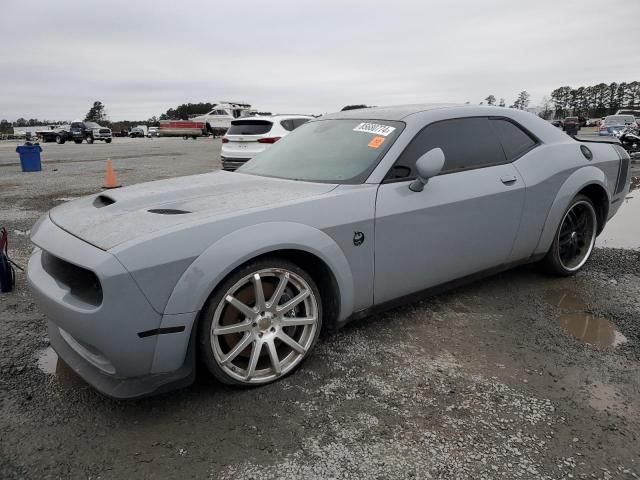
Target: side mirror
x,y
428,165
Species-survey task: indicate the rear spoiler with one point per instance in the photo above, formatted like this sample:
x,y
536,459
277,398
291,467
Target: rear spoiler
x,y
613,140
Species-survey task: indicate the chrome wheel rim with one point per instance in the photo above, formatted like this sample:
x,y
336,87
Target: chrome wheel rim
x,y
264,326
577,235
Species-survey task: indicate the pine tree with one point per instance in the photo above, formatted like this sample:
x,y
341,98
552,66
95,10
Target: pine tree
x,y
491,100
96,113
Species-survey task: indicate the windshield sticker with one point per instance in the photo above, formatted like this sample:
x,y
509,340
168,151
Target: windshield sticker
x,y
376,142
374,128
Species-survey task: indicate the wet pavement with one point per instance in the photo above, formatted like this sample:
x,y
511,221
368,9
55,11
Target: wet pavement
x,y
581,324
623,231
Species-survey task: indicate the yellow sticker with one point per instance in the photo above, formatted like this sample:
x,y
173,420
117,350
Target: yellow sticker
x,y
376,142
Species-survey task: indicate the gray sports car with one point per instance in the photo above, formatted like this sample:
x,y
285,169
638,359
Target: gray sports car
x,y
350,213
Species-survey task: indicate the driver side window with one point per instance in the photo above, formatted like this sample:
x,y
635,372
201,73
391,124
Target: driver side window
x,y
467,143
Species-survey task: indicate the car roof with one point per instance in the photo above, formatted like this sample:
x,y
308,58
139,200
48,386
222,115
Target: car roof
x,y
391,112
401,112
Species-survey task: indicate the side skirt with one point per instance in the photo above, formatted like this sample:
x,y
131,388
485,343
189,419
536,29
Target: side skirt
x,y
432,291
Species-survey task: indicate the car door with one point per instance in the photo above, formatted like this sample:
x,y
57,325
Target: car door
x,y
464,221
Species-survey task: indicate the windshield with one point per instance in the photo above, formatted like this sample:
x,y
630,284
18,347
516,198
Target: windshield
x,y
91,125
619,120
336,151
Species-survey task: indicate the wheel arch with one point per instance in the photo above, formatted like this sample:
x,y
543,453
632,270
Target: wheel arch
x,y
309,248
590,181
598,195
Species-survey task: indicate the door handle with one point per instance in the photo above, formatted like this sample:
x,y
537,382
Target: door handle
x,y
508,179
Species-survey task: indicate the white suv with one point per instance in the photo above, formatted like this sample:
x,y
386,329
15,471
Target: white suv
x,y
251,135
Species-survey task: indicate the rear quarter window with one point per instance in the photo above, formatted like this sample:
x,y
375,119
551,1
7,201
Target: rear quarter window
x,y
287,125
515,141
299,121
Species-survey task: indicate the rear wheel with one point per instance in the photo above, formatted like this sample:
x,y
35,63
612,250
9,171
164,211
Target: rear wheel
x,y
574,239
260,323
59,139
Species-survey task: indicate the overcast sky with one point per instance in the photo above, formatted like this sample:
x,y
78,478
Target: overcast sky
x,y
142,57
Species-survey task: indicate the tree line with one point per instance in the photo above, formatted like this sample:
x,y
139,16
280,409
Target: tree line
x,y
596,100
591,102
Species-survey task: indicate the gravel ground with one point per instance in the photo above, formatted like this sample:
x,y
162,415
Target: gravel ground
x,y
484,381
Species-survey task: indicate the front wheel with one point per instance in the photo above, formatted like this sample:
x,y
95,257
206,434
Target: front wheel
x,y
574,239
89,139
260,323
108,140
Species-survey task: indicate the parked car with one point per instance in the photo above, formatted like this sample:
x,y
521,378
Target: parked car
x,y
153,132
556,123
136,132
571,124
89,132
614,124
249,136
635,112
270,255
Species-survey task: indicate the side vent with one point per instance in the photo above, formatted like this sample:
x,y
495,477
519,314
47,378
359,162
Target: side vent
x,y
167,211
103,201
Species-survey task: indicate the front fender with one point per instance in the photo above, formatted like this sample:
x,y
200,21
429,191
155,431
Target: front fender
x,y
578,180
231,251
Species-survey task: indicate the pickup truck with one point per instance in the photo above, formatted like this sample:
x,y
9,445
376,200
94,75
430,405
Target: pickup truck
x,y
90,132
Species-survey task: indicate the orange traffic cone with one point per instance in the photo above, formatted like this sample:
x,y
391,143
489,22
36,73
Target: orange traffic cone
x,y
110,179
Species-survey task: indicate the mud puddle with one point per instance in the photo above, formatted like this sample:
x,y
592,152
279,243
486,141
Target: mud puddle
x,y
49,363
623,231
584,326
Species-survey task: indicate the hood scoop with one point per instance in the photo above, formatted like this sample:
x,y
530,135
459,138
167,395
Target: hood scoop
x,y
103,201
168,211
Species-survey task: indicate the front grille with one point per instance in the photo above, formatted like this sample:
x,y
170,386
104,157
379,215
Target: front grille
x,y
83,284
105,130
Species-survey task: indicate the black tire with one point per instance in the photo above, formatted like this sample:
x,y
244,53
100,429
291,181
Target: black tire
x,y
217,299
89,139
78,141
553,262
108,140
184,137
59,139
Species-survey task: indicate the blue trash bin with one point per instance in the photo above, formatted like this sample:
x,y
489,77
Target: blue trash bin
x,y
30,157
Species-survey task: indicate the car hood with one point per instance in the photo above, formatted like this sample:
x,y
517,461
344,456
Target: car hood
x,y
119,215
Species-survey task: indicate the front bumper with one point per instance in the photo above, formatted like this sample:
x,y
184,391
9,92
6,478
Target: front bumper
x,y
99,336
